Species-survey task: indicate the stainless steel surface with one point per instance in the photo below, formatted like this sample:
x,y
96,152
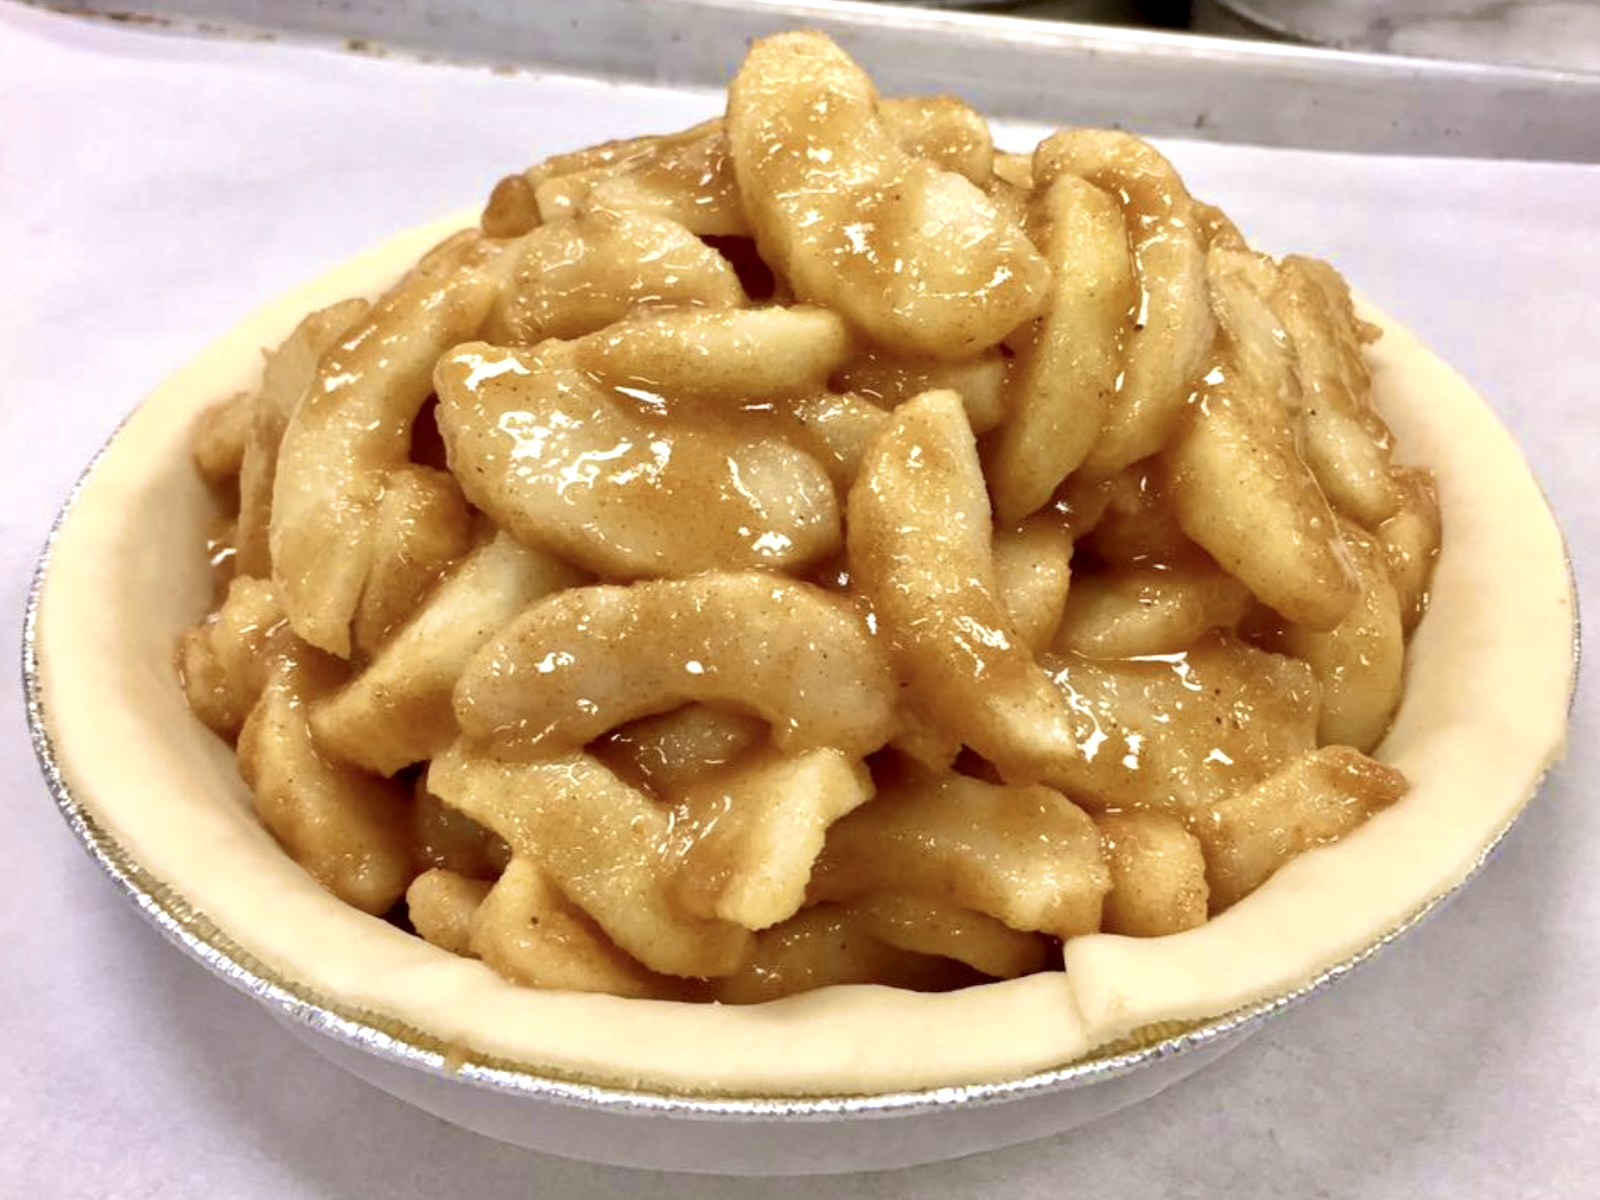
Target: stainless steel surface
x,y
212,947
1162,84
1547,33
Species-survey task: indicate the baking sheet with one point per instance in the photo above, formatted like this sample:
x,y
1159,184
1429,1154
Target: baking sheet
x,y
1266,93
155,188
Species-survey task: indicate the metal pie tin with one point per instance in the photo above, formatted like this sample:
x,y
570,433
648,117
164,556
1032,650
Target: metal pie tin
x,y
737,1134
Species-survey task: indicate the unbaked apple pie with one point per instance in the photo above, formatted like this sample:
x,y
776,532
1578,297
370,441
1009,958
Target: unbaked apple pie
x,y
815,548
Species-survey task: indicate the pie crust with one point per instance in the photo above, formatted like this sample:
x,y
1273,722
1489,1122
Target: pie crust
x,y
1489,676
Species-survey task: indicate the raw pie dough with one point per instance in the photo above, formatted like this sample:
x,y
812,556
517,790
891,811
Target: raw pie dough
x,y
1489,676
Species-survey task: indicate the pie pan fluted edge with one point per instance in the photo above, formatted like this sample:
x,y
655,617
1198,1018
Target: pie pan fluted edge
x,y
156,799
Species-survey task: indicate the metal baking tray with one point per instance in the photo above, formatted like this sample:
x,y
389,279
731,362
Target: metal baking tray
x,y
1162,84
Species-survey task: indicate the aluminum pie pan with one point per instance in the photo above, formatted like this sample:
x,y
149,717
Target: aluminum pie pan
x,y
166,909
366,1042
